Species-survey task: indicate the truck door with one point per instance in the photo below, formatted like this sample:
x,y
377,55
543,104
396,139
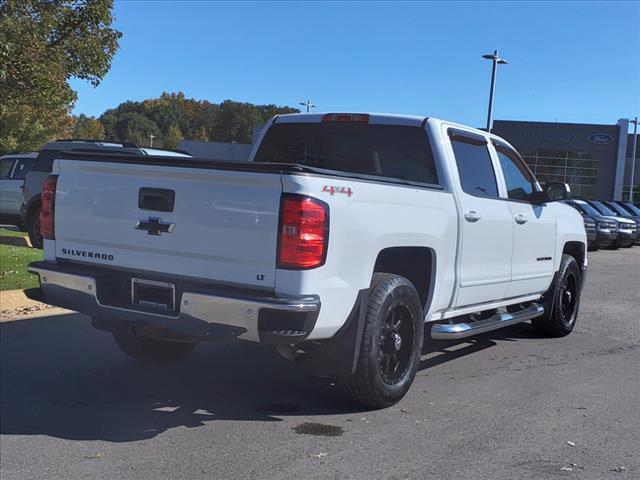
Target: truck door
x,y
534,237
484,268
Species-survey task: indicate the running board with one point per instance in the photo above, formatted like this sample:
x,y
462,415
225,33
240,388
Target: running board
x,y
454,331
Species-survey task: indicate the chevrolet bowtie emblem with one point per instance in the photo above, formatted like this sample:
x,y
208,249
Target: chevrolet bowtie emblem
x,y
155,226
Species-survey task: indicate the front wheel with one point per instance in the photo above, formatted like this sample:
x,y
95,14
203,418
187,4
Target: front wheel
x,y
151,350
563,302
391,343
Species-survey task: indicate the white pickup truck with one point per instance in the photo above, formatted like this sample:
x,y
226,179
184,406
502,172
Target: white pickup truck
x,y
346,240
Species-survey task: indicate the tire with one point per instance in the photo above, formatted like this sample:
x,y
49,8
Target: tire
x,y
150,350
563,302
33,228
391,343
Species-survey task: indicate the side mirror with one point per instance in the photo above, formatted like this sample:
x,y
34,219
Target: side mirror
x,y
552,192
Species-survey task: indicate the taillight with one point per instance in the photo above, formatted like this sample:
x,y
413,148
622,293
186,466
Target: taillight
x,y
303,232
47,207
346,117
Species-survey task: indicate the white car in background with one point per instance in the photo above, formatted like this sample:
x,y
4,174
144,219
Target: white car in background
x,y
13,170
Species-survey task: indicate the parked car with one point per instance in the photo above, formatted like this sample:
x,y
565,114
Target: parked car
x,y
606,228
30,208
627,228
591,231
630,207
624,213
336,243
13,169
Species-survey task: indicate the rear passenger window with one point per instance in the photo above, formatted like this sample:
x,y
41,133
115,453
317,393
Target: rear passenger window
x,y
475,168
22,168
5,167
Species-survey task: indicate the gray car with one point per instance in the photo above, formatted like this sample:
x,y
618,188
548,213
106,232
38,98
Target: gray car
x,y
13,170
30,210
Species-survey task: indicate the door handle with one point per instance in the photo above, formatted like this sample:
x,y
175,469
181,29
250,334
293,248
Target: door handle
x,y
520,219
472,216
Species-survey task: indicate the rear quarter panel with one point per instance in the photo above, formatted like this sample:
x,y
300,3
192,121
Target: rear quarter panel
x,y
374,217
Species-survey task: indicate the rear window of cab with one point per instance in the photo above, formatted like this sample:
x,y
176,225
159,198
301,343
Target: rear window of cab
x,y
388,151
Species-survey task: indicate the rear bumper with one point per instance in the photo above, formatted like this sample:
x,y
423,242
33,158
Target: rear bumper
x,y
203,313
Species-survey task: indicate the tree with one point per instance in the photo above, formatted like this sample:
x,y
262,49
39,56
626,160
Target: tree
x,y
88,127
172,137
43,44
136,128
179,117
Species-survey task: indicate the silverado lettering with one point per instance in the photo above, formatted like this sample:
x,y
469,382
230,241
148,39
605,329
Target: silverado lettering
x,y
87,254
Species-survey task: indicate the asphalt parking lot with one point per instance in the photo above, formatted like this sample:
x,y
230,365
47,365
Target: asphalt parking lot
x,y
506,405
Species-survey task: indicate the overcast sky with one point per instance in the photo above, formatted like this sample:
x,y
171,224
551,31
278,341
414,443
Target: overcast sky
x,y
570,62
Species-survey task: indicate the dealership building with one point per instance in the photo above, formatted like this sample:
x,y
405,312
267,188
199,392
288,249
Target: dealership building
x,y
595,160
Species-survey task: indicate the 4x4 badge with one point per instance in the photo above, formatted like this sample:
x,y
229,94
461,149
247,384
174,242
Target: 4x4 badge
x,y
155,226
333,189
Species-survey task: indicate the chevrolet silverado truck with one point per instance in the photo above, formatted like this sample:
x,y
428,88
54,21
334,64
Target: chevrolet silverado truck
x,y
345,241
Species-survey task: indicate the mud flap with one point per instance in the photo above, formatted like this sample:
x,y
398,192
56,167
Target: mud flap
x,y
339,355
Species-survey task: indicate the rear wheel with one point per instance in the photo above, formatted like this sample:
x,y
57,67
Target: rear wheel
x,y
563,302
33,228
150,350
391,343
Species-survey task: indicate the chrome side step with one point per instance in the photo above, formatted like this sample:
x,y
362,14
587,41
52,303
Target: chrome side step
x,y
453,331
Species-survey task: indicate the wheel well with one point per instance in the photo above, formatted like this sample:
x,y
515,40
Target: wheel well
x,y
33,205
414,263
576,250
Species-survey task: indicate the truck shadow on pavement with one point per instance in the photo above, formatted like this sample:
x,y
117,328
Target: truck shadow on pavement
x,y
62,378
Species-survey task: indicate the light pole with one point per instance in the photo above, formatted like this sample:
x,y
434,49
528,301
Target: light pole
x,y
496,60
151,137
633,156
308,104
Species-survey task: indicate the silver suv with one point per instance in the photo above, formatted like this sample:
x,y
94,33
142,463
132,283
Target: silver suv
x,y
30,210
13,170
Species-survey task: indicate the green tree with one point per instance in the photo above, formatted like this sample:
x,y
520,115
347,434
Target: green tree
x,y
172,137
88,127
43,44
195,119
136,128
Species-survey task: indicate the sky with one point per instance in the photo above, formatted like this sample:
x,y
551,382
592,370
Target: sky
x,y
568,62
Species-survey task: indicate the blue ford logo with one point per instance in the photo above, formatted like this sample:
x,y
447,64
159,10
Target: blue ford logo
x,y
600,138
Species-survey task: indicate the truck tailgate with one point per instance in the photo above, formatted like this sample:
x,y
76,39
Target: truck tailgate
x,y
223,225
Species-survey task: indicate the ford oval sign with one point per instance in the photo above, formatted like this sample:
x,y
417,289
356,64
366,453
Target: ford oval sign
x,y
600,138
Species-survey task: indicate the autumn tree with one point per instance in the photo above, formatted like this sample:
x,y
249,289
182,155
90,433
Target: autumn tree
x,y
88,128
43,44
172,137
194,119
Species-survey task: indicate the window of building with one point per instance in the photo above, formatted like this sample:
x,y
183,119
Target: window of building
x,y
475,169
578,169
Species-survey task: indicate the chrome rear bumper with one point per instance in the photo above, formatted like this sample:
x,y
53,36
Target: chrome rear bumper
x,y
199,315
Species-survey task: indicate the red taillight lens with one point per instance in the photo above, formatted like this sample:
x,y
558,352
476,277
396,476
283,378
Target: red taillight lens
x,y
47,207
346,117
304,232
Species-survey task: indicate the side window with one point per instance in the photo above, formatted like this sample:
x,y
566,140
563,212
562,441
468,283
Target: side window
x,y
22,168
517,178
475,168
5,167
